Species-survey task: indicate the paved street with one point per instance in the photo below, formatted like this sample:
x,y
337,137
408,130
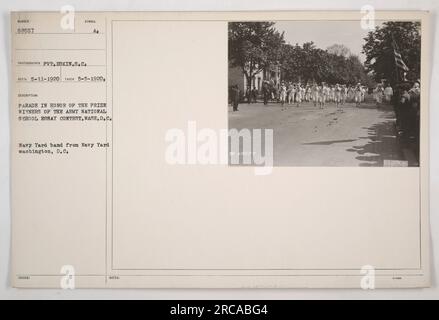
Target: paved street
x,y
309,136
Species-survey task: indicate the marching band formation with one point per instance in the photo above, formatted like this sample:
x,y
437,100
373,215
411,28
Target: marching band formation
x,y
319,94
289,93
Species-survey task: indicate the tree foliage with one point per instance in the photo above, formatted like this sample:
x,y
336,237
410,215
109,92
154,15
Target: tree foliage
x,y
378,49
339,50
254,46
308,64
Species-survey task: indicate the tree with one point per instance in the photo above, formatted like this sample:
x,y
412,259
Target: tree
x,y
302,64
254,46
339,50
378,48
357,73
291,62
309,64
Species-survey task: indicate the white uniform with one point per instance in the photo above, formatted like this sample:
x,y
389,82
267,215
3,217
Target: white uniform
x,y
344,94
290,93
283,93
363,93
357,94
300,94
388,93
337,94
326,93
315,94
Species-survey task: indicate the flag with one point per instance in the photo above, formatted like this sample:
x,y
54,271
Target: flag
x,y
398,58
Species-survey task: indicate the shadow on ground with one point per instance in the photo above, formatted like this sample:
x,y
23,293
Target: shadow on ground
x,y
327,143
382,143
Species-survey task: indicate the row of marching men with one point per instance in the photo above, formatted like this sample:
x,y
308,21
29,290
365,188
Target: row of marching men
x,y
320,94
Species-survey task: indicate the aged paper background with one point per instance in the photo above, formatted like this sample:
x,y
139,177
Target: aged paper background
x,y
125,218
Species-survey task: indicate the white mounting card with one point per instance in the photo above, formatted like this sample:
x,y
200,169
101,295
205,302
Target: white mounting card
x,y
220,149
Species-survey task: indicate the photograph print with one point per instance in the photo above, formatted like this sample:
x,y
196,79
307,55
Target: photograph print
x,y
324,93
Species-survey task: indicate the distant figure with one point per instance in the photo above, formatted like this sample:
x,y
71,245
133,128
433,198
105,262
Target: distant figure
x,y
378,93
276,93
302,93
290,93
363,93
326,91
409,109
307,93
351,93
273,90
321,95
254,95
266,91
235,97
388,93
358,92
337,95
298,94
283,93
331,97
415,113
344,94
315,93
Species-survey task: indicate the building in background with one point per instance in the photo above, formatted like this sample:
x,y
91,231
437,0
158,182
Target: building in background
x,y
236,77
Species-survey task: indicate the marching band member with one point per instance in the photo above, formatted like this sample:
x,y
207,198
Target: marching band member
x,y
363,93
298,94
326,93
344,94
337,94
388,93
331,94
378,94
315,93
283,93
308,93
290,93
357,94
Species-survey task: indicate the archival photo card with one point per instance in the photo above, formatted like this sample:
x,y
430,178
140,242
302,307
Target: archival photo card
x,y
263,149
